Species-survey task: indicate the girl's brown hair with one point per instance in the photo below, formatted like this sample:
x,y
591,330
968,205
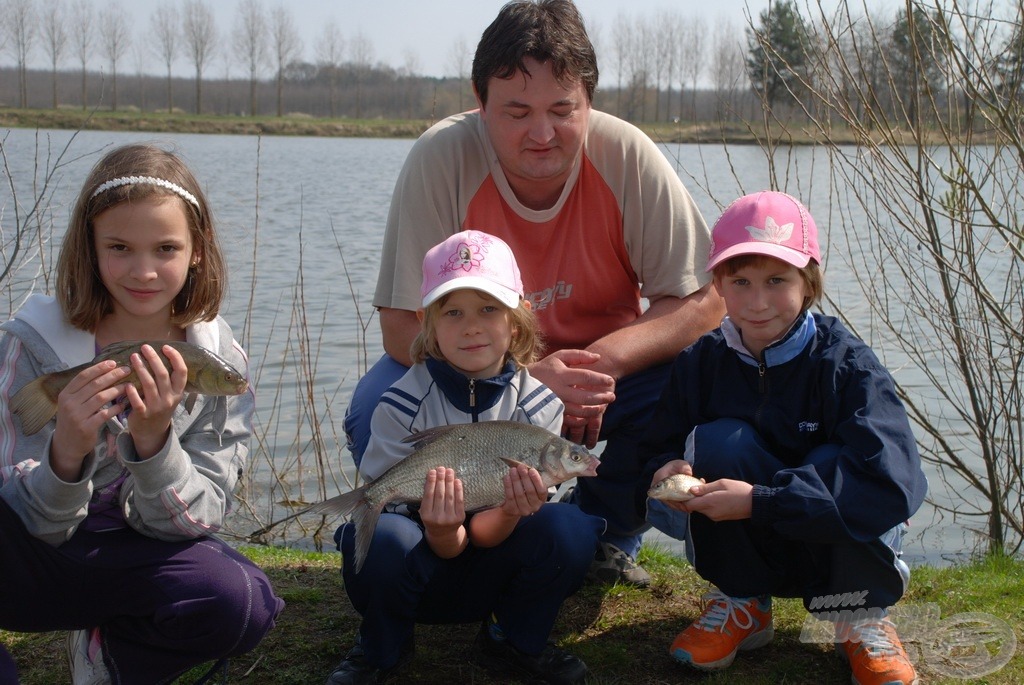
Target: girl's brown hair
x,y
811,274
80,292
526,347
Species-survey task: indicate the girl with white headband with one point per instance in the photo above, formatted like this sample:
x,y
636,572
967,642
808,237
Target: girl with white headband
x,y
107,512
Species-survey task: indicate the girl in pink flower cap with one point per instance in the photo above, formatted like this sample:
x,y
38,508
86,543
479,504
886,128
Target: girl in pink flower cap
x,y
509,567
810,466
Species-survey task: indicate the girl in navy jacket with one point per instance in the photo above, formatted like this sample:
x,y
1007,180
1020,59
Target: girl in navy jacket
x,y
810,465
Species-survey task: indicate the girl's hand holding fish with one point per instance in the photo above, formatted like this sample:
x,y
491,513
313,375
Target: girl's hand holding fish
x,y
525,492
723,500
672,468
443,512
154,401
83,406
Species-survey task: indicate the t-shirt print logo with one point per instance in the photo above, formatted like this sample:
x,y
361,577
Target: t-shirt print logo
x,y
807,426
542,298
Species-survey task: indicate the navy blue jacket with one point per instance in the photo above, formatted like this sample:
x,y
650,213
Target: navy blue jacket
x,y
829,389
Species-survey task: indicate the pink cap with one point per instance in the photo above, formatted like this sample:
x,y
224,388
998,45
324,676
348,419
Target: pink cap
x,y
765,223
472,259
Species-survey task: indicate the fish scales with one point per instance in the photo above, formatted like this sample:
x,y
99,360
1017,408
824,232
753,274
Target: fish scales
x,y
475,455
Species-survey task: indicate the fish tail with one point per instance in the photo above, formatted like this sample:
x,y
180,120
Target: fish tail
x,y
33,404
339,504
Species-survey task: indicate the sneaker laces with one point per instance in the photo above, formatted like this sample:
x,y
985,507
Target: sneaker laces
x,y
874,638
722,607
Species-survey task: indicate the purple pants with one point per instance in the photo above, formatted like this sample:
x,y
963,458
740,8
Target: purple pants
x,y
162,607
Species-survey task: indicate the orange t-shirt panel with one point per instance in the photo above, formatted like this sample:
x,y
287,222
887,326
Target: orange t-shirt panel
x,y
575,268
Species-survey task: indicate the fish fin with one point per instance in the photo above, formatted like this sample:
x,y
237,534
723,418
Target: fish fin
x,y
339,504
190,401
513,462
365,519
425,437
34,405
117,348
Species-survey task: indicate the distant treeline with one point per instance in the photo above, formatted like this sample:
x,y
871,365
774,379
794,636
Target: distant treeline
x,y
376,94
660,68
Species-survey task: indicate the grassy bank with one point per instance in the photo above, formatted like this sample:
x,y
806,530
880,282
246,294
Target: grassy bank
x,y
622,633
77,119
301,125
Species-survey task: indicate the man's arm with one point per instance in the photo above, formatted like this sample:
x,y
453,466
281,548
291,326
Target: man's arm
x,y
668,326
585,380
399,328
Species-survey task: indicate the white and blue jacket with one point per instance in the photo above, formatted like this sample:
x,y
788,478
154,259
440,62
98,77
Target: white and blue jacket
x,y
434,394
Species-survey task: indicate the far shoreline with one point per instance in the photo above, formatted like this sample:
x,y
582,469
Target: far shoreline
x,y
731,133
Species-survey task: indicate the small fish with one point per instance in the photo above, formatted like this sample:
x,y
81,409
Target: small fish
x,y
208,374
480,454
675,488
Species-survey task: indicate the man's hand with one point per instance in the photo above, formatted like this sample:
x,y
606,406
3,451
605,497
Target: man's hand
x,y
585,392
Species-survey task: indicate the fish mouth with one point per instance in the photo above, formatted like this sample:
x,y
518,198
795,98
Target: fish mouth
x,y
591,466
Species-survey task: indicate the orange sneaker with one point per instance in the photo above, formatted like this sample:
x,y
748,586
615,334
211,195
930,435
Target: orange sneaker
x,y
876,655
727,625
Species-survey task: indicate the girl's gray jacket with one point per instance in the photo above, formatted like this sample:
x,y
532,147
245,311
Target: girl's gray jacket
x,y
182,492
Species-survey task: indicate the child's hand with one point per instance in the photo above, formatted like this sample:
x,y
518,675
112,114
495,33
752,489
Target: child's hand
x,y
154,401
525,493
672,468
83,406
443,511
722,500
443,507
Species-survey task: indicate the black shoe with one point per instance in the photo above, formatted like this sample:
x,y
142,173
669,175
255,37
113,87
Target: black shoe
x,y
354,669
611,565
553,665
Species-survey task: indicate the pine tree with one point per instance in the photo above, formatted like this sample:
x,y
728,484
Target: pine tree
x,y
777,55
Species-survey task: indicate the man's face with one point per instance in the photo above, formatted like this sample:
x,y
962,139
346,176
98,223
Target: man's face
x,y
537,127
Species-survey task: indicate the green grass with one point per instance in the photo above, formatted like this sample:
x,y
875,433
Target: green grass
x,y
622,633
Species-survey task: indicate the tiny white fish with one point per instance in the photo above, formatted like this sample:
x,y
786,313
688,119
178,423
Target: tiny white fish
x,y
675,488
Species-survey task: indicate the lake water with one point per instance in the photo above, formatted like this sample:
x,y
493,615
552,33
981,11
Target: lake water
x,y
301,221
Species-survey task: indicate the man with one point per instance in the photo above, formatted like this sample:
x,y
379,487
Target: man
x,y
597,218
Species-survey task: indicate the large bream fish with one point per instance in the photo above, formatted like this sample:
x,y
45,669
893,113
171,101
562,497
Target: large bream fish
x,y
480,454
208,374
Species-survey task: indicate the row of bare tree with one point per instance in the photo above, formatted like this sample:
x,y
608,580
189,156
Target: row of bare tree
x,y
655,67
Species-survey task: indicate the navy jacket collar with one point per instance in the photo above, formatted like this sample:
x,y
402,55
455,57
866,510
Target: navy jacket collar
x,y
457,387
780,351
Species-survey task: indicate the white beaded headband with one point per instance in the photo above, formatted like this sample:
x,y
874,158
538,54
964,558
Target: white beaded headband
x,y
151,180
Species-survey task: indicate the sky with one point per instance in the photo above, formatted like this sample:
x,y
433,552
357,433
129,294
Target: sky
x,y
427,29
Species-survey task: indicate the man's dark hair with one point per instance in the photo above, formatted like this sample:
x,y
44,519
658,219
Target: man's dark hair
x,y
546,30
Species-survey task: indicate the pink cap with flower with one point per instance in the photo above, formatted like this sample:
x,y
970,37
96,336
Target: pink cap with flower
x,y
472,259
765,223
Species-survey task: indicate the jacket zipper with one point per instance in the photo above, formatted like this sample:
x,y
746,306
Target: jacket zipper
x,y
762,369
